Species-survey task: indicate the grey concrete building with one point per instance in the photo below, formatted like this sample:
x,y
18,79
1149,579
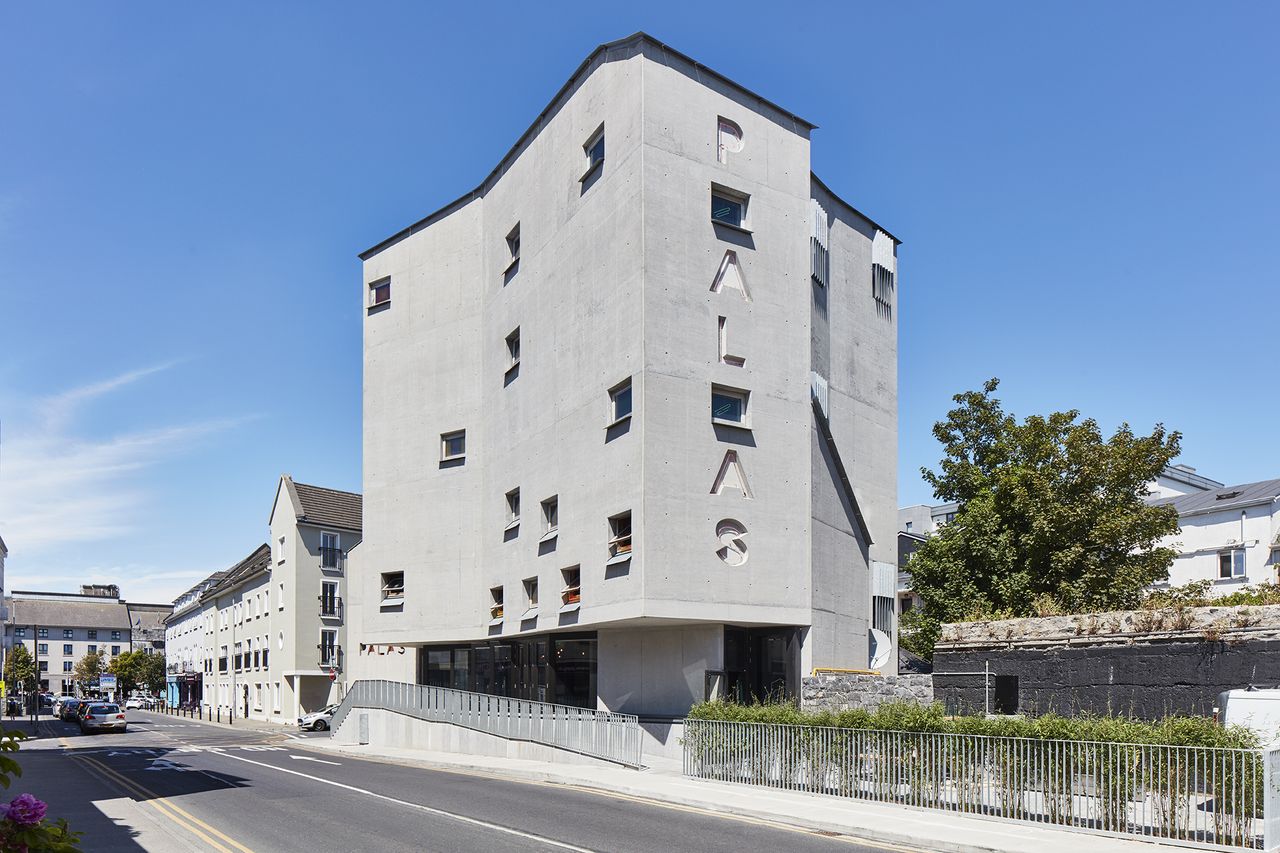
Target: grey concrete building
x,y
630,409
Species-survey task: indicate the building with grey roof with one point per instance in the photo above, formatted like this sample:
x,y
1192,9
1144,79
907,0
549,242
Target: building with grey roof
x,y
266,637
1230,535
60,628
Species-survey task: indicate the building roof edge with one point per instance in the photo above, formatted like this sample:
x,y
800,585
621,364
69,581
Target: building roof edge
x,y
640,37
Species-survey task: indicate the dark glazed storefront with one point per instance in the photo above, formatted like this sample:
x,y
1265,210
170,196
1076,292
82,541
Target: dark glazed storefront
x,y
559,668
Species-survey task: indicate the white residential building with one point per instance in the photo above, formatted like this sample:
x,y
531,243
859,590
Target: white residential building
x,y
630,409
60,628
1230,535
268,635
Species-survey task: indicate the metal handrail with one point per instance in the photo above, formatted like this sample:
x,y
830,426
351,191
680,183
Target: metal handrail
x,y
599,734
1202,796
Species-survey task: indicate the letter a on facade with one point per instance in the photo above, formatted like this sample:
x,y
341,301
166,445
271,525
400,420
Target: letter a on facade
x,y
730,276
731,476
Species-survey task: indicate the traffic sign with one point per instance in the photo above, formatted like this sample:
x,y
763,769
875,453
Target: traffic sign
x,y
107,682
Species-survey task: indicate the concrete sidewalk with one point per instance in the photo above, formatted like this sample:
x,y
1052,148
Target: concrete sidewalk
x,y
917,829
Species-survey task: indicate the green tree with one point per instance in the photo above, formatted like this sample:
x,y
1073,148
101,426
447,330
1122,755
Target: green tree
x,y
20,668
138,669
1051,517
88,668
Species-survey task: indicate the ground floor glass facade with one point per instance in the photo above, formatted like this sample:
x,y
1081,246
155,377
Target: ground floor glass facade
x,y
559,668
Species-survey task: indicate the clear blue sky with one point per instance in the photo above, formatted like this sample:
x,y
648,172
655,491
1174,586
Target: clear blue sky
x,y
1087,193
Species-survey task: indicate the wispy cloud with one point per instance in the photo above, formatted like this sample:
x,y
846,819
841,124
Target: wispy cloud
x,y
137,583
57,487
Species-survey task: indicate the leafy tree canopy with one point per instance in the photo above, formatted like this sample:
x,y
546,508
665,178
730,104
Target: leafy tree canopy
x,y
88,668
138,669
1051,517
20,667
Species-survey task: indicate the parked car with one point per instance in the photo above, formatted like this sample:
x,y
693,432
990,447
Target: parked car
x,y
317,721
68,711
136,703
58,702
102,717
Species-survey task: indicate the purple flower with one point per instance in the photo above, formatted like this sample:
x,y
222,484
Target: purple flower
x,y
25,810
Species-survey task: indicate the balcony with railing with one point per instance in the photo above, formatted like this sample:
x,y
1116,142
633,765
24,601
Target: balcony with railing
x,y
333,559
330,656
330,606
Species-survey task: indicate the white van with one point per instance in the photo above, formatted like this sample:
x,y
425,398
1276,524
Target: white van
x,y
1258,710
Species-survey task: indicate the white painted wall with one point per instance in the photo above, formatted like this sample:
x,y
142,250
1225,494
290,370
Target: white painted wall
x,y
1203,537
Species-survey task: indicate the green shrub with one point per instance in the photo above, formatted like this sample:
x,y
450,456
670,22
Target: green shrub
x,y
912,717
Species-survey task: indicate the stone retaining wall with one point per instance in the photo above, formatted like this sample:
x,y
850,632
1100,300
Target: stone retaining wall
x,y
846,691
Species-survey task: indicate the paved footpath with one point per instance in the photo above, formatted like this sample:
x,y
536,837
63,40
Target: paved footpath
x,y
175,784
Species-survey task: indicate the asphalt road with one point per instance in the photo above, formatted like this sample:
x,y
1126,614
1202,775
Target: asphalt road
x,y
175,784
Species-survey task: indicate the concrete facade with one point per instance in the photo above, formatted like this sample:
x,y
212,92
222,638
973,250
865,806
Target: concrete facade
x,y
768,521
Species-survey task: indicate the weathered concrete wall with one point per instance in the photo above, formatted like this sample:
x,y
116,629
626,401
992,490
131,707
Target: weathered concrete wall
x,y
1146,664
846,692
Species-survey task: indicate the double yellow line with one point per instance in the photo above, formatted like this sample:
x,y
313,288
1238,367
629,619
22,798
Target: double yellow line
x,y
166,807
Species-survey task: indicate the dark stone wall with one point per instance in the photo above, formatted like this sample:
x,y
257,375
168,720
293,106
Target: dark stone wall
x,y
1148,680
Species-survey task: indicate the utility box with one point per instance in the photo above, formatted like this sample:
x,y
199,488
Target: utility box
x,y
1258,710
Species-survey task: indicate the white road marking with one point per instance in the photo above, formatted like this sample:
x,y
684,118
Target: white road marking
x,y
320,760
542,839
166,764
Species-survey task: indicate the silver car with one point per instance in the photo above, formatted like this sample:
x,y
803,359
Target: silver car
x,y
102,717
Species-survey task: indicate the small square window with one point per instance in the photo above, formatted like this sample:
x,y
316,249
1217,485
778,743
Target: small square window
x,y
115,650
42,633
67,634
93,648
728,207
393,586
19,632
620,402
1231,564
380,292
66,649
513,508
729,406
93,634
453,445
495,605
620,537
551,514
571,592
42,648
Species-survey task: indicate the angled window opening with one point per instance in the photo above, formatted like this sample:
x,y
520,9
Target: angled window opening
x,y
729,207
495,605
453,445
571,592
379,293
551,516
620,402
619,538
730,406
593,148
513,508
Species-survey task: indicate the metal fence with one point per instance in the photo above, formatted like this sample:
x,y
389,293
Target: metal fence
x,y
600,734
1218,798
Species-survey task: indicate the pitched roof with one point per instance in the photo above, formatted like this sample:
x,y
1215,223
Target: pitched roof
x,y
640,40
321,506
68,612
251,566
1228,497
